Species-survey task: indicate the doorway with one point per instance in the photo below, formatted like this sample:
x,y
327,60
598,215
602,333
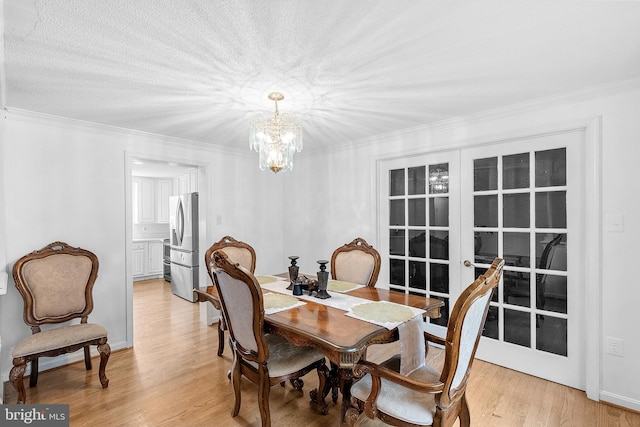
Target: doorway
x,y
444,216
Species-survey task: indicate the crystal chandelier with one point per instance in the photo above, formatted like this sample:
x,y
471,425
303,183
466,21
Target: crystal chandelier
x,y
276,137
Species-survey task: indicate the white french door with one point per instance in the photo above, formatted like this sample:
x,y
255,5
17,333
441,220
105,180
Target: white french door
x,y
521,200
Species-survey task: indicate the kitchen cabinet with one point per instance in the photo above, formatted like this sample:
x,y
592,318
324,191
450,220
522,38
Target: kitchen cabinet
x,y
151,199
147,259
187,183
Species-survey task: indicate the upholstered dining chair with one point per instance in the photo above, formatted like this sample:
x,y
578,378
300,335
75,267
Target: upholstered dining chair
x,y
239,252
264,359
56,284
356,262
426,397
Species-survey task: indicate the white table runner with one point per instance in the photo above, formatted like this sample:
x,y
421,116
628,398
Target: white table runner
x,y
342,301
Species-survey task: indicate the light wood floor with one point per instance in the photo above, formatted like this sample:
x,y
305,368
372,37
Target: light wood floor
x,y
172,377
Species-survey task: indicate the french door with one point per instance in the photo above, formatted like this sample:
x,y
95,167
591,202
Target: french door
x,y
445,216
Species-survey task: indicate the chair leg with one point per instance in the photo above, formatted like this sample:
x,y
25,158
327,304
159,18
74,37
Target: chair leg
x,y
105,351
235,383
220,337
465,416
87,358
263,399
33,377
16,376
317,396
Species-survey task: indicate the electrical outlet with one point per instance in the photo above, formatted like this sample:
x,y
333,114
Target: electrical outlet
x,y
615,346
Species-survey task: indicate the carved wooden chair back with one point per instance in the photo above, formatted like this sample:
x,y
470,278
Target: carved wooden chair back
x,y
425,397
264,359
356,262
56,284
241,253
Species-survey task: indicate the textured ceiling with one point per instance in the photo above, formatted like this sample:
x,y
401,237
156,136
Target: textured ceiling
x,y
200,69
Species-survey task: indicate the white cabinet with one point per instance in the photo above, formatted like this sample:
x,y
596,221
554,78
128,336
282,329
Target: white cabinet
x,y
151,200
187,183
154,258
163,192
147,259
138,259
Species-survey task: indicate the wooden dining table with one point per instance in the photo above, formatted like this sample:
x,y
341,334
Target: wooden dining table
x,y
342,339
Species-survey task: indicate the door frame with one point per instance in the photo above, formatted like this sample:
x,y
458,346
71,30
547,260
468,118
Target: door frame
x,y
592,226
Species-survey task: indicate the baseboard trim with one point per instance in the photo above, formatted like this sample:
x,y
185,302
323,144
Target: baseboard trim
x,y
620,401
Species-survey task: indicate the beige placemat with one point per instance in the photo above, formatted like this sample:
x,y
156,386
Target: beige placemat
x,y
383,313
274,303
342,286
266,279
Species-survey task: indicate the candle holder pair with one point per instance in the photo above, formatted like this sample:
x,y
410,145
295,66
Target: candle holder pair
x,y
298,284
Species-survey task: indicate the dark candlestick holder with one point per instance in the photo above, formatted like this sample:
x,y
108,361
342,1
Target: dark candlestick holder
x,y
293,272
323,279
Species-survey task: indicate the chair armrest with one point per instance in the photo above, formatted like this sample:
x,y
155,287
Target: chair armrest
x,y
377,371
433,338
208,296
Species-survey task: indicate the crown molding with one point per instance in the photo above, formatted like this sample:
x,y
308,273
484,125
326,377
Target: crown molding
x,y
591,92
35,117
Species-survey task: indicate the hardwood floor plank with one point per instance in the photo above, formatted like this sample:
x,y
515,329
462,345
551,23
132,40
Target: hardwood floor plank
x,y
172,377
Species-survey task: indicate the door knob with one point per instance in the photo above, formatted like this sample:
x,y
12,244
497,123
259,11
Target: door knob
x,y
468,263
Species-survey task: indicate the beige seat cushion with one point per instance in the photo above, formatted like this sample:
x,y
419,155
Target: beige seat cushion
x,y
401,402
285,358
58,338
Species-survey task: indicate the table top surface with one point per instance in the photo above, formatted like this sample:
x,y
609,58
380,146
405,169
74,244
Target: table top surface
x,y
342,338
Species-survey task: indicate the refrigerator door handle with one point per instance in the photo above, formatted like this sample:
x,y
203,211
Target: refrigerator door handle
x,y
179,222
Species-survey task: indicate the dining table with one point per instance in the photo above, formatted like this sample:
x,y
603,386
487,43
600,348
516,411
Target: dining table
x,y
343,339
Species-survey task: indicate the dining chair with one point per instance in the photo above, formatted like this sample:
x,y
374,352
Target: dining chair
x,y
356,262
56,284
264,359
239,252
425,396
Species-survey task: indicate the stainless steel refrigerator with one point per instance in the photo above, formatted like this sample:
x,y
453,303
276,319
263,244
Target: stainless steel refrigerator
x,y
183,219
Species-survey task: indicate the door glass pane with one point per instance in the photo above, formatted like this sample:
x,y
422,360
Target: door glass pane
x,y
485,211
551,251
515,171
516,249
417,212
517,329
551,293
439,278
551,168
439,244
417,275
486,247
491,324
396,182
396,242
517,288
516,210
552,335
439,178
551,209
396,212
439,211
396,272
416,177
417,244
485,174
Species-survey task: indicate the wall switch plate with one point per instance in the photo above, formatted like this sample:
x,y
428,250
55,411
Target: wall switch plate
x,y
615,346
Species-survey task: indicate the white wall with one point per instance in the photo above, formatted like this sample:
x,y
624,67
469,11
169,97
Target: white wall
x,y
68,181
335,203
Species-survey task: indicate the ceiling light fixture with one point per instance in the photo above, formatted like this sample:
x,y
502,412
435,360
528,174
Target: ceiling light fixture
x,y
276,137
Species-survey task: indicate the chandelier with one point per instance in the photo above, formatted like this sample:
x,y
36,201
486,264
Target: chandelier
x,y
276,137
